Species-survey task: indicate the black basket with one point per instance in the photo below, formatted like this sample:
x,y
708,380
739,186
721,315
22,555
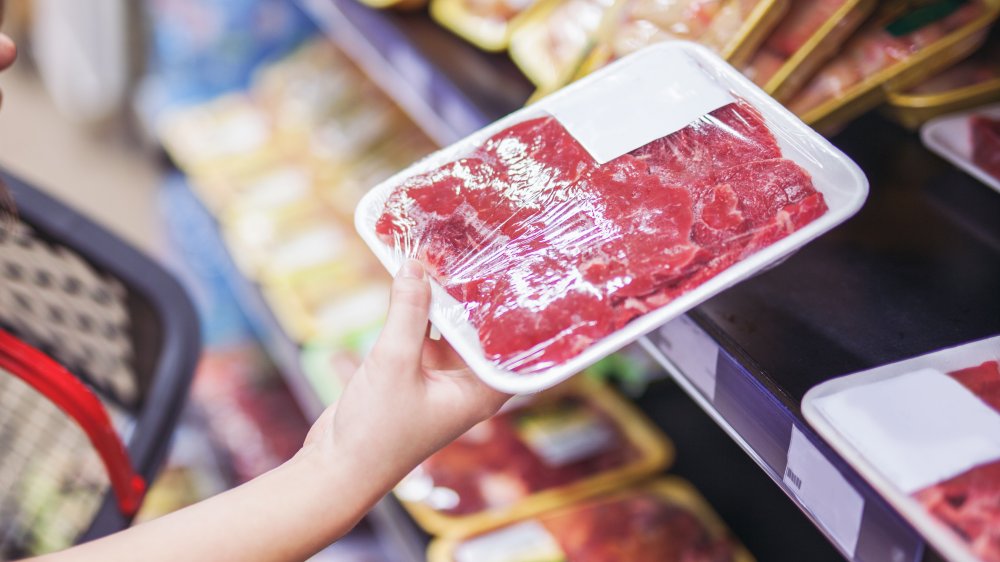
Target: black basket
x,y
117,321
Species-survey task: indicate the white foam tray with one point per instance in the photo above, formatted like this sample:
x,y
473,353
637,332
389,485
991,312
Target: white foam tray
x,y
838,178
946,360
949,138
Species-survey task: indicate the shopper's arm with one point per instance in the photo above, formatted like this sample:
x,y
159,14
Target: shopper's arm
x,y
411,396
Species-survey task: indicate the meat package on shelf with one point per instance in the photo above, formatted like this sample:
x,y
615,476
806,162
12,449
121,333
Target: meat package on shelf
x,y
986,144
546,253
806,37
486,24
731,28
900,46
571,442
925,432
662,521
969,140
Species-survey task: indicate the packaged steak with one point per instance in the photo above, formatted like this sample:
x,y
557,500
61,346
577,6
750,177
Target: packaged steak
x,y
926,433
966,85
901,45
806,37
969,140
486,24
665,520
731,28
551,39
559,234
573,441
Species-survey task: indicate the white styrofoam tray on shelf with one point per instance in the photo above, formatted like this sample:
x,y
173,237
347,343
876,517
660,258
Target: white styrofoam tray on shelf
x,y
944,361
949,137
839,179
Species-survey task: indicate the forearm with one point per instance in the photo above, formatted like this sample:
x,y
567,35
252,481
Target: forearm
x,y
287,514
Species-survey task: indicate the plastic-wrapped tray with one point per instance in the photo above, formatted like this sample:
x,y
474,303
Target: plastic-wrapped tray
x,y
926,433
674,94
665,520
806,37
734,38
950,138
574,441
473,20
859,77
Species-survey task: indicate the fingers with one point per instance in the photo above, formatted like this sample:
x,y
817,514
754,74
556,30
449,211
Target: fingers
x,y
8,51
400,345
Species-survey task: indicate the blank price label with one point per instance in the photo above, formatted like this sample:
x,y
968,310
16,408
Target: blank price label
x,y
692,351
824,492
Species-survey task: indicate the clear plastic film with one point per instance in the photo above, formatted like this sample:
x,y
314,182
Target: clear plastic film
x,y
662,521
730,28
571,442
546,258
894,37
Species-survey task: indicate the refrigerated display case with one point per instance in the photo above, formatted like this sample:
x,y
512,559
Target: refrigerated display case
x,y
916,270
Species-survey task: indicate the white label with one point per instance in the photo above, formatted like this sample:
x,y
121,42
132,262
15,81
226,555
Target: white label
x,y
824,492
692,351
524,542
565,435
916,429
658,92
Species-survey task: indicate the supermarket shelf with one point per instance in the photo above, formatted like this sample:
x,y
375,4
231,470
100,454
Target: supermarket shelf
x,y
397,533
447,86
915,271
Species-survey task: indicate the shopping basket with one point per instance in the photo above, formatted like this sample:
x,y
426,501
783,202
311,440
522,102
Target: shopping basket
x,y
97,349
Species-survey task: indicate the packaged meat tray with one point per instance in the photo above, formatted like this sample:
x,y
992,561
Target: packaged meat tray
x,y
899,47
665,520
486,24
968,84
732,28
807,36
559,234
970,141
926,433
552,38
574,441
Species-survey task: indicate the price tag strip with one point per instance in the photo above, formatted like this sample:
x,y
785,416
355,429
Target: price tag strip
x,y
845,508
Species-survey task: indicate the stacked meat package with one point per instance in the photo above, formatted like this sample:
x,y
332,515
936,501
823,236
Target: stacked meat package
x,y
926,433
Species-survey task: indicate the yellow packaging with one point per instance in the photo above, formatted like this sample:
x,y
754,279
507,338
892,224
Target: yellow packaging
x,y
553,37
734,46
914,107
534,541
577,422
331,300
835,111
397,4
225,136
486,24
819,47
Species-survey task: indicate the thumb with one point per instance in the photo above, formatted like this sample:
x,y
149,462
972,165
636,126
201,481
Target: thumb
x,y
401,343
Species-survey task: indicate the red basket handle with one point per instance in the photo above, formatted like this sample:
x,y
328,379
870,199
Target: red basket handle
x,y
67,392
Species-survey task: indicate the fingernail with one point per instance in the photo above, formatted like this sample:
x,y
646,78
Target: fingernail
x,y
411,270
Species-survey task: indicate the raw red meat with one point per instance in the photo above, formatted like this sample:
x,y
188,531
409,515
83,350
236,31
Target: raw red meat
x,y
641,527
986,144
797,26
549,251
970,503
492,466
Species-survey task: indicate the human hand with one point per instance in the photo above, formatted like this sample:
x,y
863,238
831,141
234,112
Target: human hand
x,y
410,397
8,51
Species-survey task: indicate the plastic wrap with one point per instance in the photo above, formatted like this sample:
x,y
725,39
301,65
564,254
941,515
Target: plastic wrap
x,y
731,28
569,443
806,37
924,432
975,149
897,47
970,83
486,24
551,40
663,521
545,260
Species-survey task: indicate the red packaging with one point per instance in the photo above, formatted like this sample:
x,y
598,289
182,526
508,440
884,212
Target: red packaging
x,y
986,144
